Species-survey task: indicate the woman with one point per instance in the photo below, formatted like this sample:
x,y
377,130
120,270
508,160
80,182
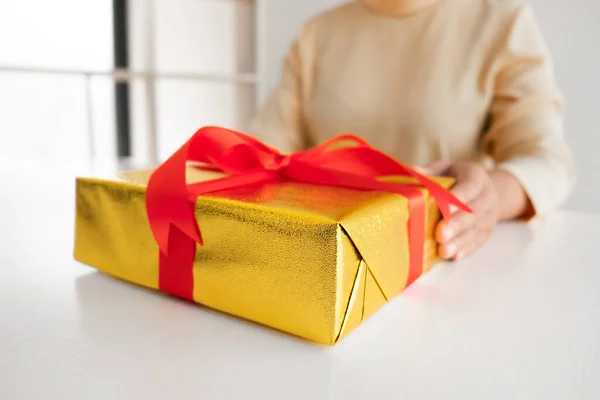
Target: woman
x,y
459,87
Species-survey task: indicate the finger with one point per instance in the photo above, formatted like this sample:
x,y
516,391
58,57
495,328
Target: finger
x,y
482,204
458,246
469,247
460,222
463,246
466,189
482,207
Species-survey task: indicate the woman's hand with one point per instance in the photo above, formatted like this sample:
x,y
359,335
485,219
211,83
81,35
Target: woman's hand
x,y
493,196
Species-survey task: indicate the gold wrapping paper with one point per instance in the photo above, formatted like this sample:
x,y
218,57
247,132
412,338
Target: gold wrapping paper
x,y
310,260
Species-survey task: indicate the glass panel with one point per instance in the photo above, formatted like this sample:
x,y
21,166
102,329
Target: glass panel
x,y
102,91
204,36
48,120
70,34
186,105
140,140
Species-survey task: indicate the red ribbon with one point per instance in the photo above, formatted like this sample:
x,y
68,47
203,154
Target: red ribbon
x,y
170,201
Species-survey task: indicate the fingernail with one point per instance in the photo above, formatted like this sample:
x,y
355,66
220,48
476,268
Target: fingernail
x,y
448,233
450,250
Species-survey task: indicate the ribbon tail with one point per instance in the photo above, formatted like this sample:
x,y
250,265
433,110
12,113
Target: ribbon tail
x,y
443,198
368,162
167,202
416,237
175,273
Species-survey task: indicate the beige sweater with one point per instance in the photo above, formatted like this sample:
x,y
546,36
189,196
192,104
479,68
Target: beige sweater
x,y
428,80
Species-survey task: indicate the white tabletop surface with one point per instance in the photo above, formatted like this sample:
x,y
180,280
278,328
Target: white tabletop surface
x,y
519,320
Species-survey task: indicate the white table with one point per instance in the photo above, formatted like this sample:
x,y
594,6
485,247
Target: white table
x,y
519,320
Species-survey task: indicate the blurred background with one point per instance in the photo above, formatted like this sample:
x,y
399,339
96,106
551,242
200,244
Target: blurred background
x,y
103,82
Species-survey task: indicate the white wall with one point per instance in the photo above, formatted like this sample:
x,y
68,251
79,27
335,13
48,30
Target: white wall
x,y
572,28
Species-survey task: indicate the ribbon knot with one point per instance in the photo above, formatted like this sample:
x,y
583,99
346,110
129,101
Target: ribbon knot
x,y
278,163
345,161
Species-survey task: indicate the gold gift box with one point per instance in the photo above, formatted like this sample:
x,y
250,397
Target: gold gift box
x,y
313,261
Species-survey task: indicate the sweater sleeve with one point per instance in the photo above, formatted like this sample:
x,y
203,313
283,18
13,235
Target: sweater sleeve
x,y
526,132
280,121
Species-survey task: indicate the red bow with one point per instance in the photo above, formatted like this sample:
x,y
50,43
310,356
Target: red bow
x,y
170,201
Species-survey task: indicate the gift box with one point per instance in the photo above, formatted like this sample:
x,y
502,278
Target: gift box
x,y
272,239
